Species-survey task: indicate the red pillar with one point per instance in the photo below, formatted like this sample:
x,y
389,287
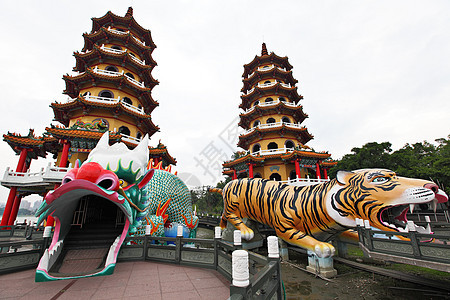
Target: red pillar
x,y
156,161
250,170
13,190
64,154
234,175
325,173
297,168
318,170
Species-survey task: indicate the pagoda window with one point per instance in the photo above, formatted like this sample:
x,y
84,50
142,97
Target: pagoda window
x,y
268,100
289,144
292,175
116,47
285,120
256,103
257,175
112,69
140,106
270,121
275,176
267,81
106,94
272,146
256,148
282,99
132,54
86,94
139,135
130,75
124,130
127,100
256,123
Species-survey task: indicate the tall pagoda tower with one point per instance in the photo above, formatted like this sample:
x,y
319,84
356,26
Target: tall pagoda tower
x,y
111,91
274,139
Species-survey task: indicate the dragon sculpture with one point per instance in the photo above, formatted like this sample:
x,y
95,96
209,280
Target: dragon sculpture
x,y
144,193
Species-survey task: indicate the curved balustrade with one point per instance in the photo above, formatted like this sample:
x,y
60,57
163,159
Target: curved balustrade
x,y
130,139
112,50
111,101
304,181
113,73
117,31
47,176
273,125
286,85
273,103
270,151
266,68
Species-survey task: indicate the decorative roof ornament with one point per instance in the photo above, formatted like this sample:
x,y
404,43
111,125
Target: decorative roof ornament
x,y
264,50
129,12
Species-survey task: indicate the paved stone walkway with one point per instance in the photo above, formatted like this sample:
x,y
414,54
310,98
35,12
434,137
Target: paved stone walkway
x,y
131,280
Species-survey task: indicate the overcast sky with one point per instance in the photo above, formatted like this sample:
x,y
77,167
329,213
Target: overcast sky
x,y
368,70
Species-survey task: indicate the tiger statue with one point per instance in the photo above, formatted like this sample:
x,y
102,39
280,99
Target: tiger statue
x,y
309,216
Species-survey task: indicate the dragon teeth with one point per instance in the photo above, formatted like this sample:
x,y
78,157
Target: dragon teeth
x,y
434,204
411,208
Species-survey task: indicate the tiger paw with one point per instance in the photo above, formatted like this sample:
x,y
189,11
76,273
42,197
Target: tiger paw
x,y
247,234
324,249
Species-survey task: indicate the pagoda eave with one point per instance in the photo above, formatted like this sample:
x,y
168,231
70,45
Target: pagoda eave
x,y
264,59
280,108
127,22
286,76
86,58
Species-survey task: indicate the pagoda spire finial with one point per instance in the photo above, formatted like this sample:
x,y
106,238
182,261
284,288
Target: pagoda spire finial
x,y
264,50
129,12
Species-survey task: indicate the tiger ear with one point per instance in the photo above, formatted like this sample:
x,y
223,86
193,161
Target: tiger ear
x,y
344,176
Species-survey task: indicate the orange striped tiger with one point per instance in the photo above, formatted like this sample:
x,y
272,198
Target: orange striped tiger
x,y
311,215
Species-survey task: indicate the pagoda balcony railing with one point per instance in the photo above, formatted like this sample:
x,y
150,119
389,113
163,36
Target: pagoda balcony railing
x,y
286,85
111,101
117,31
266,68
45,177
112,50
118,51
142,62
130,139
113,73
273,103
305,181
273,125
270,151
124,33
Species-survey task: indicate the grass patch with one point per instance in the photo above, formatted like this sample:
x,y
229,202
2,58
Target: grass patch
x,y
421,271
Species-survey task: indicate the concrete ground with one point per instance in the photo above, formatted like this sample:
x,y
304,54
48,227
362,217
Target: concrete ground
x,y
146,280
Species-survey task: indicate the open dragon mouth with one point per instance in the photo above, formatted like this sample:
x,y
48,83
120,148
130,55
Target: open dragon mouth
x,y
84,214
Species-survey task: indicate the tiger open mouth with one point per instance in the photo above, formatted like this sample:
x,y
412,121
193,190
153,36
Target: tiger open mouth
x,y
395,216
63,205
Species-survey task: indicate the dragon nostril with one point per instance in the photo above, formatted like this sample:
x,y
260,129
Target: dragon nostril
x,y
106,183
432,186
66,180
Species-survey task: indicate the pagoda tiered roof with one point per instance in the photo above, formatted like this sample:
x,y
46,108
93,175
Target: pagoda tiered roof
x,y
97,54
286,156
161,150
62,111
266,58
127,22
294,111
36,143
120,81
300,133
275,88
261,74
104,34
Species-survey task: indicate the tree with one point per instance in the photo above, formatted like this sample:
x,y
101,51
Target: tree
x,y
420,160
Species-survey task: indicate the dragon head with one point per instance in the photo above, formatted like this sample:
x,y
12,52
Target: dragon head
x,y
105,191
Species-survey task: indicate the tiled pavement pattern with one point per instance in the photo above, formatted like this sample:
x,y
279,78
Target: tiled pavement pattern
x,y
131,280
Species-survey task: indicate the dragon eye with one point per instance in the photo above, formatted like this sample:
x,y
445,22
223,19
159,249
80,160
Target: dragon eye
x,y
380,179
